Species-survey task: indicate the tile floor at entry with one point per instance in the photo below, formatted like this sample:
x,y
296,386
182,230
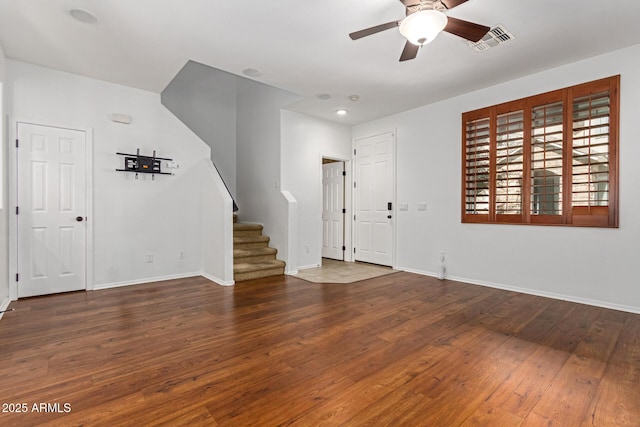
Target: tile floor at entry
x,y
333,271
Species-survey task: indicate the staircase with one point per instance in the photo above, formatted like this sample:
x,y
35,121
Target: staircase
x,y
252,256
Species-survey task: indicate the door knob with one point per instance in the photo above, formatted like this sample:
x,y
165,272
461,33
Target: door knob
x,y
79,218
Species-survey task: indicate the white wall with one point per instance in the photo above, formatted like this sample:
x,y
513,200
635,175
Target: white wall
x,y
131,217
258,158
4,190
305,140
204,98
217,242
581,264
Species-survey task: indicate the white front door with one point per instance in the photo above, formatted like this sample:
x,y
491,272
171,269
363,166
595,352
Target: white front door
x,y
374,195
333,210
52,208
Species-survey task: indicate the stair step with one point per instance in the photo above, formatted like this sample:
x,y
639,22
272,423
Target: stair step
x,y
254,255
249,242
248,271
241,229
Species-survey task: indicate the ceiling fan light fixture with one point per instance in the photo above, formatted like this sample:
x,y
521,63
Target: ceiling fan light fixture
x,y
423,27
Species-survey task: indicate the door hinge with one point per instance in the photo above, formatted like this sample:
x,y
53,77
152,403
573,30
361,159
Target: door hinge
x,y
17,143
354,151
344,173
17,277
354,217
344,211
354,185
344,248
354,250
17,210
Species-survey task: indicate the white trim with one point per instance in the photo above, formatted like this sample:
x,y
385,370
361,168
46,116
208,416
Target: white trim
x,y
13,197
147,280
4,306
89,279
552,295
291,272
217,280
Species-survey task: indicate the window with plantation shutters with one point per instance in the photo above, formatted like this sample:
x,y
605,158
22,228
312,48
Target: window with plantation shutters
x,y
546,159
477,167
509,165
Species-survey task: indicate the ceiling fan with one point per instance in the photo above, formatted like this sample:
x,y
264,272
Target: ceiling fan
x,y
424,21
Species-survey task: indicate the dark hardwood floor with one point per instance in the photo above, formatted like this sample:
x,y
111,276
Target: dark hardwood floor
x,y
401,349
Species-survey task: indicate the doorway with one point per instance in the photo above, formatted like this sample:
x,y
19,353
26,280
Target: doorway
x,y
51,202
333,209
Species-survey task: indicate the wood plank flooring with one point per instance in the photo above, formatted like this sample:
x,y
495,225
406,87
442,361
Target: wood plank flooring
x,y
401,349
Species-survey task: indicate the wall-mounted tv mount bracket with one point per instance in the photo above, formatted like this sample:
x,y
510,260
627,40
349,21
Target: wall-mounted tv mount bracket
x,y
143,164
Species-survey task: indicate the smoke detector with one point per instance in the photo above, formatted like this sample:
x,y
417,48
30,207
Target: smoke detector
x,y
495,36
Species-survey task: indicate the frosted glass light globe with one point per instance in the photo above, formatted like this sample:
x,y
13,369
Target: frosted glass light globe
x,y
423,27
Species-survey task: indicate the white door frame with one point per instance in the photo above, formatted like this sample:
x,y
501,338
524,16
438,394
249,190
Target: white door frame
x,y
13,197
348,205
394,222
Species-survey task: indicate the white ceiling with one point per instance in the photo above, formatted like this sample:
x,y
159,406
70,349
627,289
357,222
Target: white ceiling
x,y
303,46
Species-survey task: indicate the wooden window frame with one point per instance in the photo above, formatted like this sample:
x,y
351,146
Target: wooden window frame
x,y
582,216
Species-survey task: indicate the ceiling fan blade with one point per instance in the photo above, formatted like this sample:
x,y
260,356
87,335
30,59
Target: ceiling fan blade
x,y
372,30
465,29
409,52
450,4
409,3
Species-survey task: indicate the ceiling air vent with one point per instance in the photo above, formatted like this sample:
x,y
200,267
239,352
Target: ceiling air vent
x,y
497,35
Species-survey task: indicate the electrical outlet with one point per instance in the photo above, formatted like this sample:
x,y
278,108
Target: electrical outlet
x,y
148,258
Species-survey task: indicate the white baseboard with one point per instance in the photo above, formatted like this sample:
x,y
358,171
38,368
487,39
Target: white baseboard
x,y
217,280
291,272
4,306
413,270
145,281
553,295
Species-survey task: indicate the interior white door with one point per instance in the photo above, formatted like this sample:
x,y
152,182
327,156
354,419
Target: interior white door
x,y
52,206
374,196
333,210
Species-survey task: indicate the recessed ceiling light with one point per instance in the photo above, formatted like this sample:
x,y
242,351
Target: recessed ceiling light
x,y
341,112
251,72
83,16
323,96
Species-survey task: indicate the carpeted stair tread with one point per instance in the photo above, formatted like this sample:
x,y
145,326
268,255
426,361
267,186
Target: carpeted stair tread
x,y
250,267
250,239
247,226
243,253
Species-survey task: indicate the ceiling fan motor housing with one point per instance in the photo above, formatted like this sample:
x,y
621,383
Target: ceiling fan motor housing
x,y
426,5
